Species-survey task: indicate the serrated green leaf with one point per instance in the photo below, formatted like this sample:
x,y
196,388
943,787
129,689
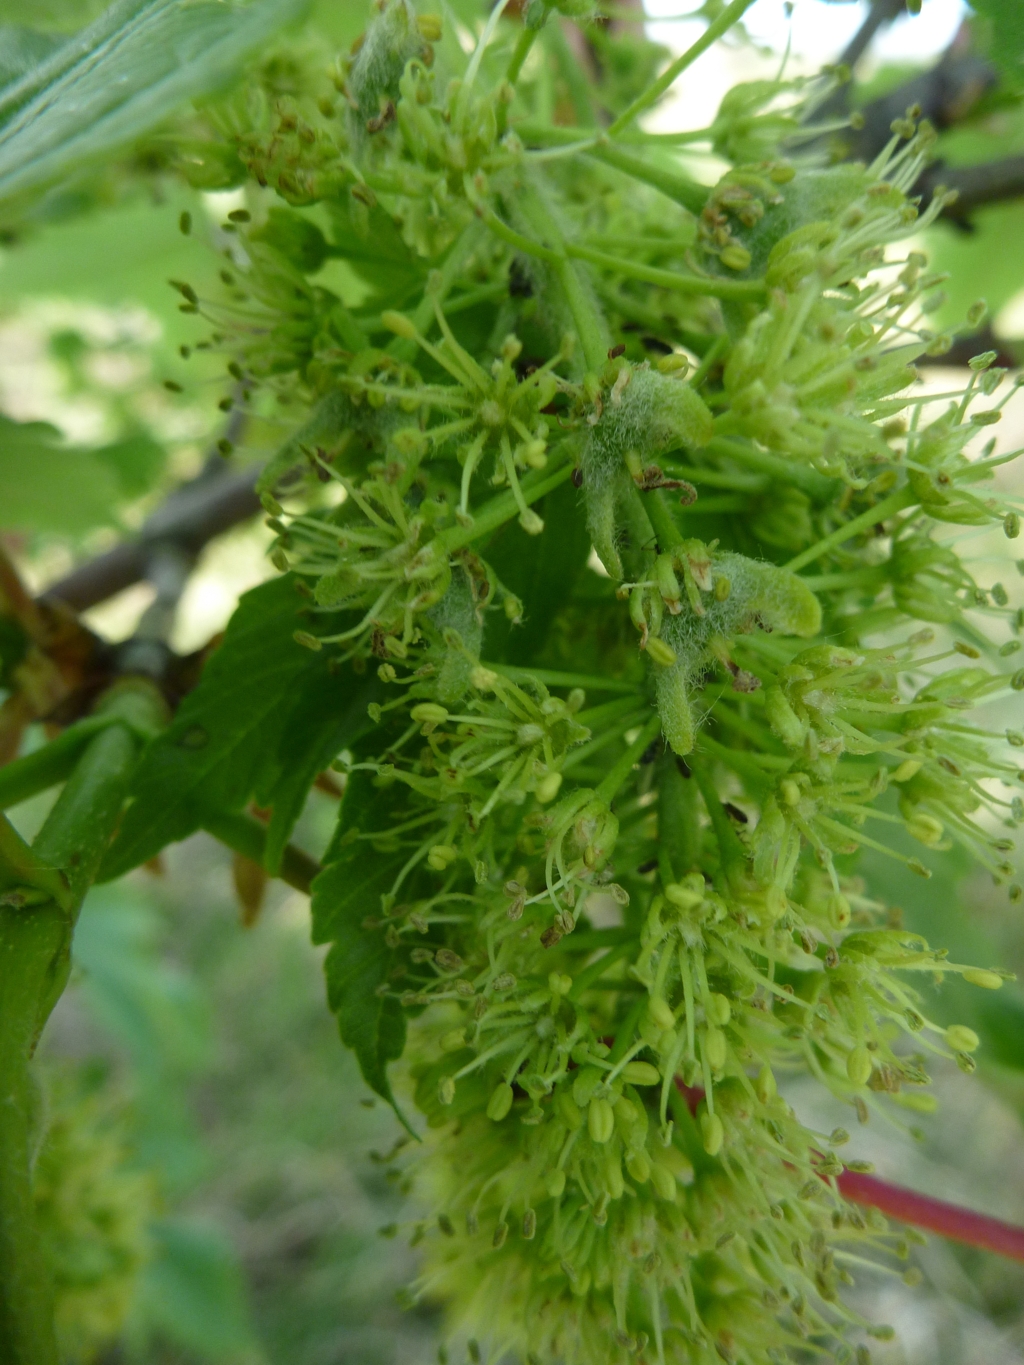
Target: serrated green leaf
x,y
528,566
328,716
232,736
120,78
345,896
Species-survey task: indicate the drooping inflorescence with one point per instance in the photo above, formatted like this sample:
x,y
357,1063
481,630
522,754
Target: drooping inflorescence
x,y
603,827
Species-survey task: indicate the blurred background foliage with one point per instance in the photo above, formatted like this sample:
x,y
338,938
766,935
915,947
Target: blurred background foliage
x,y
212,1183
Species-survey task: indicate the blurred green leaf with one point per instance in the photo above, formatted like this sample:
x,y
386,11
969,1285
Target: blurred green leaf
x,y
152,1009
21,49
120,78
1005,22
192,1294
136,462
34,464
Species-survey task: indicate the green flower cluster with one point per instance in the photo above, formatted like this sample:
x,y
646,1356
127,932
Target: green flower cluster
x,y
614,894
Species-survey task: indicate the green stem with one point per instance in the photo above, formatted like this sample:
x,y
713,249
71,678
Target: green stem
x,y
591,326
817,486
43,889
670,279
675,186
678,816
551,678
729,16
896,502
711,356
523,46
571,71
29,943
662,520
502,508
244,835
734,856
53,763
618,774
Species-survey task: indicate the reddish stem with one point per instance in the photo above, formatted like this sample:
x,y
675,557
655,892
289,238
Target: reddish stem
x,y
948,1220
920,1210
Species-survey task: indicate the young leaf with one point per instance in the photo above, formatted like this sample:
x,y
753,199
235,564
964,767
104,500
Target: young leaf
x,y
121,77
232,738
345,896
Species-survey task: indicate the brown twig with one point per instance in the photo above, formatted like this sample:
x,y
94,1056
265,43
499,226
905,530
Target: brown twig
x,y
207,506
991,182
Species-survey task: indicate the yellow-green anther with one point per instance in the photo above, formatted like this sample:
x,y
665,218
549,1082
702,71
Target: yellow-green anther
x,y
660,1012
718,1009
962,1039
500,1102
640,1073
765,1085
715,1048
712,1132
783,719
587,1081
638,1166
664,1182
858,1065
978,976
600,1120
547,787
661,653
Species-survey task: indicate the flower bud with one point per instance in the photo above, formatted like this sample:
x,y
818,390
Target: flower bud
x,y
858,1065
962,1039
640,1073
554,1183
783,719
715,1048
907,769
638,1165
587,1081
735,257
712,1132
446,1090
483,679
660,1012
399,324
661,653
664,1182
977,976
428,713
718,1009
765,1085
500,1102
838,909
429,26
600,1120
